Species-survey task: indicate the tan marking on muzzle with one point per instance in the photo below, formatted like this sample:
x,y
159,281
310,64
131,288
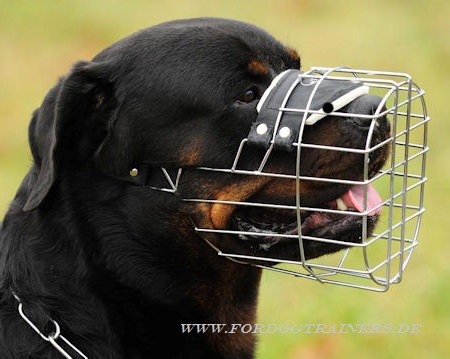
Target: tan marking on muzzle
x,y
237,192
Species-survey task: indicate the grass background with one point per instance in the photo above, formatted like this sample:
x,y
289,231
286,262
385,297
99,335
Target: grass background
x,y
39,40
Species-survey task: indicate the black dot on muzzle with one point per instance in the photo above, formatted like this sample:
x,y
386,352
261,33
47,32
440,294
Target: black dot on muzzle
x,y
328,107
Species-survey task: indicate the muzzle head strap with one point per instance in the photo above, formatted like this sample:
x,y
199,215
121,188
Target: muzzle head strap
x,y
294,96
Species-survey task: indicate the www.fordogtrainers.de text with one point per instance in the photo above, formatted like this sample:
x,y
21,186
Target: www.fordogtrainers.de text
x,y
302,328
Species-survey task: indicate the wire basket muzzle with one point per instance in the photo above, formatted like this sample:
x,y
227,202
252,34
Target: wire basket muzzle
x,y
392,196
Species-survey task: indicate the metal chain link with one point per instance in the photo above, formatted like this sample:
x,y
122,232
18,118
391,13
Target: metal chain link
x,y
53,336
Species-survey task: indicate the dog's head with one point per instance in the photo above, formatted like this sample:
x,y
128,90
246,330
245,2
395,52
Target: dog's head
x,y
184,95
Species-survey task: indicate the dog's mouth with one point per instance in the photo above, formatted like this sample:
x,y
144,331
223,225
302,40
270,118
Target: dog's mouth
x,y
339,219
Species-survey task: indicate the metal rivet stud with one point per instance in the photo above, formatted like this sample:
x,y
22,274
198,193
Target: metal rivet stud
x,y
134,172
284,132
261,129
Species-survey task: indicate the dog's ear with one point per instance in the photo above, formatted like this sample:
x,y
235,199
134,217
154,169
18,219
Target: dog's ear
x,y
71,125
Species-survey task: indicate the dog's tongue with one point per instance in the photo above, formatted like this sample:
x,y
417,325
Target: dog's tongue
x,y
355,198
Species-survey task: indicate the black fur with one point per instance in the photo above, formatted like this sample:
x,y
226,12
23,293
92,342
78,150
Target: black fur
x,y
118,265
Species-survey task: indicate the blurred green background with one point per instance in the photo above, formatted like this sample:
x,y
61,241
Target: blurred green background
x,y
39,40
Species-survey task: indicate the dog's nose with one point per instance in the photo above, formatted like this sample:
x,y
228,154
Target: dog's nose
x,y
364,105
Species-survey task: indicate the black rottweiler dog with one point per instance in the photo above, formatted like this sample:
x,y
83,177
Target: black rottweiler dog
x,y
90,246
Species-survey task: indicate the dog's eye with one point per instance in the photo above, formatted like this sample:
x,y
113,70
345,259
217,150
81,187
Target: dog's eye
x,y
250,95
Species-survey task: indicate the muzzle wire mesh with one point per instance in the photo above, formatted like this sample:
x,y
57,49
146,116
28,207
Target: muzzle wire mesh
x,y
379,259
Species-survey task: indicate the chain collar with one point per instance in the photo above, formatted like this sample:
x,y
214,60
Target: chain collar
x,y
55,338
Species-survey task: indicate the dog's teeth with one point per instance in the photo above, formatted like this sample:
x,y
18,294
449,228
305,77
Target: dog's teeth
x,y
341,205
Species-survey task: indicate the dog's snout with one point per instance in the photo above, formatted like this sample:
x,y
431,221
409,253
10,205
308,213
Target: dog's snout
x,y
364,105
